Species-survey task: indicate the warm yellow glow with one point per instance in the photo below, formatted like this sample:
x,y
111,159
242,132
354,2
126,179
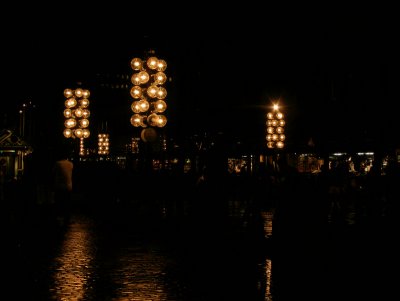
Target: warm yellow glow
x,y
275,128
161,65
78,133
268,280
75,263
84,123
152,120
85,133
161,93
160,78
152,62
148,87
85,113
160,106
143,77
103,144
67,133
152,91
136,92
161,121
136,63
85,93
68,93
143,105
136,120
84,102
135,107
70,123
67,113
79,92
268,217
76,113
135,79
70,102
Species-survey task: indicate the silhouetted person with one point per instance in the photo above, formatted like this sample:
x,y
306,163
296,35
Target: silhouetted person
x,y
62,176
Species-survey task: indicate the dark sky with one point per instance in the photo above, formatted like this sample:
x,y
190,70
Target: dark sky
x,y
329,64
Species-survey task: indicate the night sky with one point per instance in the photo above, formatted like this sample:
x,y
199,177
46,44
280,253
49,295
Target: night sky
x,y
329,66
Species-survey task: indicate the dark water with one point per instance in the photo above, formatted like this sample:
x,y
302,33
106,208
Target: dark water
x,y
247,256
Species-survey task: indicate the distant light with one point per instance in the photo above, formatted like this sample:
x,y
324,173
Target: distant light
x,y
76,115
275,128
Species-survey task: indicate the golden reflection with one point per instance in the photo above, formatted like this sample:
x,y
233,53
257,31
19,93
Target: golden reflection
x,y
140,276
139,273
74,264
268,217
268,276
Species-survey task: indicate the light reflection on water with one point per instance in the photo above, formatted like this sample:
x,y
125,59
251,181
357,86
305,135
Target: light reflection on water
x,y
267,217
96,265
73,267
268,280
92,265
139,276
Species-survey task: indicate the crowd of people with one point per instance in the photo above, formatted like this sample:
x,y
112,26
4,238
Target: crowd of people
x,y
53,187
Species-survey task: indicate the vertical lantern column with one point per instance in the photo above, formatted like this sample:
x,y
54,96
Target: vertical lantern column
x,y
103,144
148,95
76,115
275,128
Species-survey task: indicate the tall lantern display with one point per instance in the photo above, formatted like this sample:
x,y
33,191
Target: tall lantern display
x,y
275,128
148,95
76,115
103,144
